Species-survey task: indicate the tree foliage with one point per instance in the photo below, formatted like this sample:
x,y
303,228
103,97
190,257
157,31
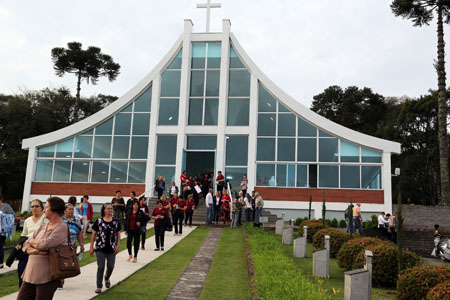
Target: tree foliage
x,y
30,114
89,64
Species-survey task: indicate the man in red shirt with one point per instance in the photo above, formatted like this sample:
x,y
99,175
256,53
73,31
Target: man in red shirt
x,y
172,206
179,216
220,179
190,203
183,179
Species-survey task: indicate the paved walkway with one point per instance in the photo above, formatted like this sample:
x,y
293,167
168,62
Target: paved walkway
x,y
83,286
13,268
190,284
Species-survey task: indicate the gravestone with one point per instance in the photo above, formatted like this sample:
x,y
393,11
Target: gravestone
x,y
263,220
358,283
288,232
301,243
279,225
321,260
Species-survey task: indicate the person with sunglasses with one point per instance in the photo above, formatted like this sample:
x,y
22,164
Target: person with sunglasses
x,y
30,225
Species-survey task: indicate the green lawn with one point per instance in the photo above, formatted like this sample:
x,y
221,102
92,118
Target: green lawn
x,y
10,283
228,277
334,284
155,280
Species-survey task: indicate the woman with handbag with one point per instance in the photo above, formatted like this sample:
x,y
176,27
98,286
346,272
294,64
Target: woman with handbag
x,y
135,218
37,282
160,215
106,234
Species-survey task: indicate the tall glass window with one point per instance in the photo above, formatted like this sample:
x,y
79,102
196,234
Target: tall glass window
x,y
237,150
350,177
286,175
328,176
204,84
238,112
265,175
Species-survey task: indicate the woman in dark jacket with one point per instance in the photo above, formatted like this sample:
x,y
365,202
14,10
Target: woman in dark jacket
x,y
135,218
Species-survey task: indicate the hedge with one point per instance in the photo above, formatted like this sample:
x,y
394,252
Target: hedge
x,y
313,227
415,283
337,239
384,263
440,292
349,250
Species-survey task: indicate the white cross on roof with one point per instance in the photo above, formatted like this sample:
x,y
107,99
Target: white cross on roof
x,y
208,5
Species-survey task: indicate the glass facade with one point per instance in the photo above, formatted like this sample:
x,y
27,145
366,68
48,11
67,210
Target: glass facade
x,y
113,151
316,158
290,151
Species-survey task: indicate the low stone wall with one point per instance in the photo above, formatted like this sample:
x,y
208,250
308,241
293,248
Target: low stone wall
x,y
424,217
420,242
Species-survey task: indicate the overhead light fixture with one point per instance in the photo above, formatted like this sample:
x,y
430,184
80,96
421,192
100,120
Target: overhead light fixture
x,y
268,104
103,172
170,118
271,118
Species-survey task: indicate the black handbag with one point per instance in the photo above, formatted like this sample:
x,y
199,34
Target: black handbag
x,y
16,251
167,223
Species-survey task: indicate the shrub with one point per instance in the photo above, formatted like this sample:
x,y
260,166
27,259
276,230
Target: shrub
x,y
440,291
298,221
337,239
416,282
342,224
384,263
351,249
328,222
313,227
334,223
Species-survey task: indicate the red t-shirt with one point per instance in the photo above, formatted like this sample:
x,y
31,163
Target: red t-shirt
x,y
220,177
162,212
183,179
173,202
132,221
226,197
181,205
189,205
225,203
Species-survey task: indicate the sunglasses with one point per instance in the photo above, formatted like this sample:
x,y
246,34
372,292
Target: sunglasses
x,y
35,206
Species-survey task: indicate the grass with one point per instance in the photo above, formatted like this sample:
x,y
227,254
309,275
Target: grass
x,y
155,280
228,277
10,283
276,276
335,284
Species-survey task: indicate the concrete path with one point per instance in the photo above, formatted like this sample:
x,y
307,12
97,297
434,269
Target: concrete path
x,y
83,286
13,268
190,284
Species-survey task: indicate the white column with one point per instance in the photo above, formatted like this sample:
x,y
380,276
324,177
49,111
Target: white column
x,y
184,97
253,124
31,164
152,138
386,181
223,95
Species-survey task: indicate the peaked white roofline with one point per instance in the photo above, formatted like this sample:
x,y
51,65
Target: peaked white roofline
x,y
297,107
106,112
309,115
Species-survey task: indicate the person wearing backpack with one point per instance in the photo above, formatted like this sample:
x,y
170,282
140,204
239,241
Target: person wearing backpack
x,y
347,218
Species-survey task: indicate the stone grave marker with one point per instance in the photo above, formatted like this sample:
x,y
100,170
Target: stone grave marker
x,y
321,260
358,283
263,220
279,225
288,232
301,243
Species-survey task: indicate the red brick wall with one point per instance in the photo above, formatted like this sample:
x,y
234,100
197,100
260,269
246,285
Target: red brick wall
x,y
331,195
91,189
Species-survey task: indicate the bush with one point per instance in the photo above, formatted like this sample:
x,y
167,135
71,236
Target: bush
x,y
299,221
384,263
349,250
342,224
334,223
337,239
276,276
328,222
440,291
373,223
313,227
415,283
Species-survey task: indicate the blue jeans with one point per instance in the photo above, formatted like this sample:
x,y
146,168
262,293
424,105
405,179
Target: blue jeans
x,y
357,225
209,214
21,267
248,214
258,214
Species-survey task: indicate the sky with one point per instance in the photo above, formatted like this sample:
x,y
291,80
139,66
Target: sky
x,y
303,46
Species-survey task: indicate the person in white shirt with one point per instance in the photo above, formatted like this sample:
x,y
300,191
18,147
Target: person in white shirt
x,y
259,204
248,208
209,207
383,225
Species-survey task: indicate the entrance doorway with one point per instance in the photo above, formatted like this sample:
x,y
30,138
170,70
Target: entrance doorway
x,y
199,162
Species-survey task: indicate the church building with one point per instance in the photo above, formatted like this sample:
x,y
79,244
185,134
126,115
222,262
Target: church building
x,y
207,107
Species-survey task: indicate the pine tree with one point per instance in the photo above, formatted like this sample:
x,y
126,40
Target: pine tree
x,y
399,234
310,205
324,209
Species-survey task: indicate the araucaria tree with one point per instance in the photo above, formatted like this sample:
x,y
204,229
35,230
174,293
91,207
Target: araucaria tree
x,y
89,64
421,12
